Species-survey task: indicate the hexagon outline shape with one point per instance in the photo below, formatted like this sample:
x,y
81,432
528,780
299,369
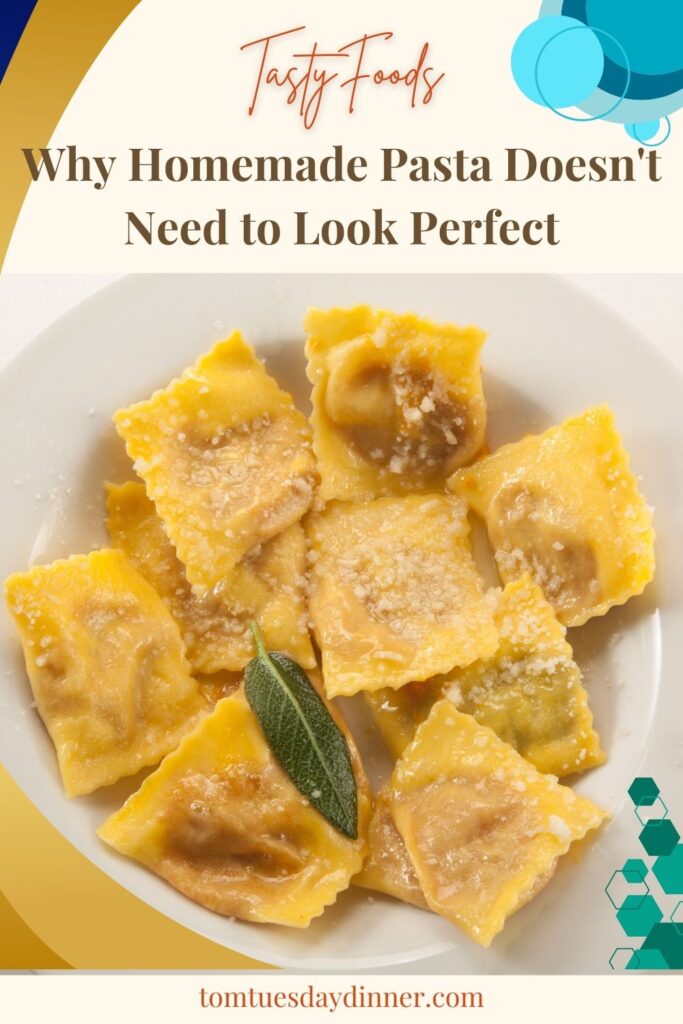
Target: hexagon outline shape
x,y
622,949
651,803
641,881
678,925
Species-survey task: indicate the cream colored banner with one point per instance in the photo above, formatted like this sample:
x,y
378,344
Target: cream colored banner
x,y
181,81
190,998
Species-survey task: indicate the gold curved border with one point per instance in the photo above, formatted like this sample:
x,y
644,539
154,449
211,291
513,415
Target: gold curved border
x,y
56,908
59,44
20,948
77,913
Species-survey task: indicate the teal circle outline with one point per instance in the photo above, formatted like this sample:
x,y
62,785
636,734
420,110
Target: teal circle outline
x,y
581,72
597,32
660,142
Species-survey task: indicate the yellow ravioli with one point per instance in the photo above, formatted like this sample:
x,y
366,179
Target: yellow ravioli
x,y
529,692
482,827
565,507
397,713
395,594
388,867
225,457
222,822
106,665
217,685
266,586
397,400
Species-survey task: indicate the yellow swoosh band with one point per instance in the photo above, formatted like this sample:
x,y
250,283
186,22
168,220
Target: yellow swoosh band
x,y
60,42
57,910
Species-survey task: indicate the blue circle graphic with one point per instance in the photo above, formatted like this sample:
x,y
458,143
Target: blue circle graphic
x,y
651,32
645,132
557,62
619,99
613,60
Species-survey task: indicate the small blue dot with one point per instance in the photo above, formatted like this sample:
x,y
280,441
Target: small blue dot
x,y
643,132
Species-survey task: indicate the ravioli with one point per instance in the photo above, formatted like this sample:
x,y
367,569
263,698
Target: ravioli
x,y
395,594
529,692
225,457
388,868
482,827
565,507
398,403
266,586
397,713
217,685
222,822
106,665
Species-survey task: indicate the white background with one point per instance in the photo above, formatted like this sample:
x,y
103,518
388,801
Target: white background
x,y
652,303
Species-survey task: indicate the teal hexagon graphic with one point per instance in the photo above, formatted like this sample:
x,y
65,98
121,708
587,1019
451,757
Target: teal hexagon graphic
x,y
634,866
621,957
647,960
643,791
669,871
659,929
659,837
639,915
668,940
625,885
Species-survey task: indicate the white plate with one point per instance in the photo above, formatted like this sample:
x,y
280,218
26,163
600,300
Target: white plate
x,y
552,352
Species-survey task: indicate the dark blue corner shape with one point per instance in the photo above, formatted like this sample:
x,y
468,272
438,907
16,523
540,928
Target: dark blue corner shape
x,y
615,79
14,15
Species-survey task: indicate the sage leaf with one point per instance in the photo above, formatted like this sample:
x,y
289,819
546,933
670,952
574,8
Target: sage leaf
x,y
302,734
